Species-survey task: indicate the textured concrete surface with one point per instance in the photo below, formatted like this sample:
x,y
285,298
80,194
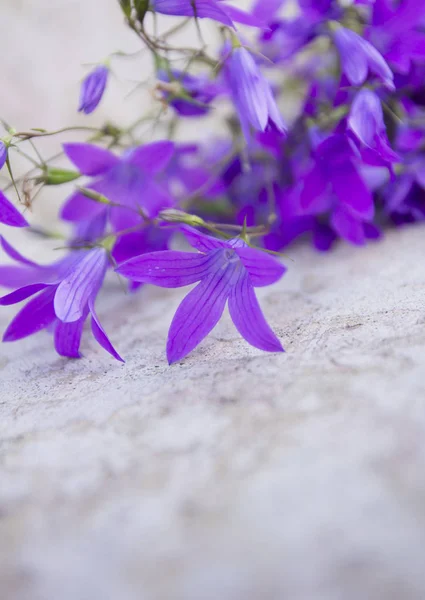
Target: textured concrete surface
x,y
235,474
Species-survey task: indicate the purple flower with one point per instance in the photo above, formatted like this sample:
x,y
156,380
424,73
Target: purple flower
x,y
366,121
92,89
358,57
9,215
251,94
62,296
127,182
209,9
226,271
3,154
396,31
193,94
333,184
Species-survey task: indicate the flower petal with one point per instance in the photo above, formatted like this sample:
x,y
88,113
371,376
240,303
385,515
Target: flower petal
x,y
90,159
197,315
348,227
80,208
152,157
200,9
22,294
82,284
68,338
100,334
313,197
167,268
14,254
201,241
248,319
36,315
352,191
262,268
9,215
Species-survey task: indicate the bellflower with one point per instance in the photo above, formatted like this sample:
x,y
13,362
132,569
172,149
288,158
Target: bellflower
x,y
333,184
193,94
127,182
366,121
92,89
358,57
227,271
62,296
251,94
397,32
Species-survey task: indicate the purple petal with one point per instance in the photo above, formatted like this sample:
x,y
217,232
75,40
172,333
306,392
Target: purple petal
x,y
348,227
201,241
22,294
185,8
366,118
248,88
248,319
152,157
313,197
82,284
353,59
36,315
100,334
243,17
14,254
80,208
197,315
263,269
89,159
167,268
68,338
9,215
352,191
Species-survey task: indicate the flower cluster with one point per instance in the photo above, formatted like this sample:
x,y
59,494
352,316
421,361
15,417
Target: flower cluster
x,y
324,139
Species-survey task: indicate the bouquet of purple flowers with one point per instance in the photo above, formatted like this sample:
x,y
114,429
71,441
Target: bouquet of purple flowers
x,y
346,162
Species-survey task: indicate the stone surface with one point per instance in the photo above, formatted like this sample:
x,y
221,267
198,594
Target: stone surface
x,y
235,474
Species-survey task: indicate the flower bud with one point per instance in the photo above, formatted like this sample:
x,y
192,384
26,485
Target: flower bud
x,y
92,89
171,215
88,193
54,176
3,153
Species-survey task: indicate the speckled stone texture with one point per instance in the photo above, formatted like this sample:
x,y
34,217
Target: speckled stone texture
x,y
234,475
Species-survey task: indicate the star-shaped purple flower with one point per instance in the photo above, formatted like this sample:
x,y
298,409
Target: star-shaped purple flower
x,y
128,182
227,271
62,296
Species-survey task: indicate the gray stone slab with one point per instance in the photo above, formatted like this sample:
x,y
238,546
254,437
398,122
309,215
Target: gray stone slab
x,y
234,474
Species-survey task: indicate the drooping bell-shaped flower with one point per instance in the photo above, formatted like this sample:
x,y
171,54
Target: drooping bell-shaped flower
x,y
359,57
251,94
92,89
366,121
